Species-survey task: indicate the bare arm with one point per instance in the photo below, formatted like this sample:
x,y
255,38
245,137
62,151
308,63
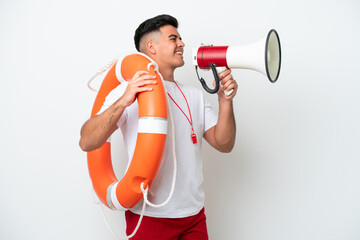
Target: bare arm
x,y
98,129
222,135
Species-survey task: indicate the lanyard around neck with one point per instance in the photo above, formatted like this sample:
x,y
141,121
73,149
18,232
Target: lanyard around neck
x,y
193,135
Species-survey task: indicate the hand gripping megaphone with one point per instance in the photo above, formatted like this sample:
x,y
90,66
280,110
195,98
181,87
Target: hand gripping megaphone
x,y
263,56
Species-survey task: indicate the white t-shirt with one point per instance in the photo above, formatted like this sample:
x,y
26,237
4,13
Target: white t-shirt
x,y
188,197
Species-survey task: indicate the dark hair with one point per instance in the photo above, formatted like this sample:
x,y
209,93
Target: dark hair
x,y
153,25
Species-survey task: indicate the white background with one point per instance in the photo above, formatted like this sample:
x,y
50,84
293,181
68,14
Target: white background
x,y
294,171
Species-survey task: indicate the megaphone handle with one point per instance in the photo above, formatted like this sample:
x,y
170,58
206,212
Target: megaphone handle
x,y
203,83
220,70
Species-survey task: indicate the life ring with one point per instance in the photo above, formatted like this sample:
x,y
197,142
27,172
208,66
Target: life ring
x,y
150,143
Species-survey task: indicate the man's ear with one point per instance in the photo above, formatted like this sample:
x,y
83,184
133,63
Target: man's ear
x,y
150,46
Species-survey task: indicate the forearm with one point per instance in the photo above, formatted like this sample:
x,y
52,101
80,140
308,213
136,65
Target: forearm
x,y
95,132
225,130
98,129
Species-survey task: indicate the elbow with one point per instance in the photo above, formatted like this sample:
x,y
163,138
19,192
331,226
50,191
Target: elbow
x,y
224,145
226,149
85,142
88,145
84,146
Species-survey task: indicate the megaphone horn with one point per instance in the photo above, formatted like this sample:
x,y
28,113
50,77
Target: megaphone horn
x,y
263,56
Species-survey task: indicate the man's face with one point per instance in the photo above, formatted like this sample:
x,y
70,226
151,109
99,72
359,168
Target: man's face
x,y
169,48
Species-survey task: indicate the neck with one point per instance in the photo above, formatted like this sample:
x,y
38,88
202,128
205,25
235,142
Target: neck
x,y
166,71
168,74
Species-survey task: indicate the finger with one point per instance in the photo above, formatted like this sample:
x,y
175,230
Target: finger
x,y
138,74
142,81
227,82
225,73
229,89
143,78
146,78
144,89
146,82
227,79
231,84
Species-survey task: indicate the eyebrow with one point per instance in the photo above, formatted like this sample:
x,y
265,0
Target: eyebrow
x,y
173,35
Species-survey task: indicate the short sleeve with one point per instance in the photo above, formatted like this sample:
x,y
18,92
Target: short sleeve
x,y
211,117
112,97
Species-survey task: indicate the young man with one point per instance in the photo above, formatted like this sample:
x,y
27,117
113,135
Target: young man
x,y
183,217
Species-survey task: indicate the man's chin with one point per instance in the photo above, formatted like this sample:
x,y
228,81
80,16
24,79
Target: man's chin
x,y
179,64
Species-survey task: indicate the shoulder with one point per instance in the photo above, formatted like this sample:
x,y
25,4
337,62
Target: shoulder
x,y
119,90
116,93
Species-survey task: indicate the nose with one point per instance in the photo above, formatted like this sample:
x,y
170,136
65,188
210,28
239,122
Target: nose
x,y
181,43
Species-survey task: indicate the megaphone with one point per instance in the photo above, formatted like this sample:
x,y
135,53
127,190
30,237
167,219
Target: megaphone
x,y
263,56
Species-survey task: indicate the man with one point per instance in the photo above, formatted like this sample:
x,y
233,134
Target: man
x,y
183,217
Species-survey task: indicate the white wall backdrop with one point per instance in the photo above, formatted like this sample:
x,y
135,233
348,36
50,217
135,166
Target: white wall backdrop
x,y
294,172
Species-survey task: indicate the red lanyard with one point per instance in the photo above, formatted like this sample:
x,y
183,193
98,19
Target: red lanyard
x,y
193,135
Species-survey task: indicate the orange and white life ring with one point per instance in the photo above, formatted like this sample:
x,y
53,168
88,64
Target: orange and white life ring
x,y
150,143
